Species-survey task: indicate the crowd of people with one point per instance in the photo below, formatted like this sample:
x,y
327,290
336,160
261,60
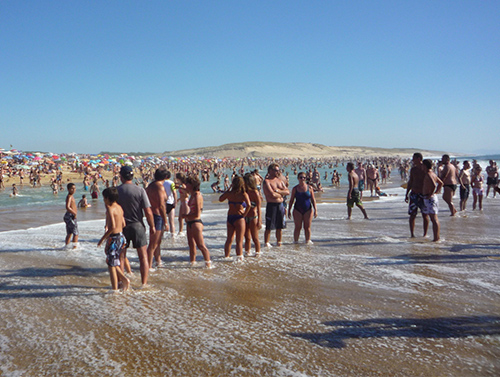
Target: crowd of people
x,y
149,190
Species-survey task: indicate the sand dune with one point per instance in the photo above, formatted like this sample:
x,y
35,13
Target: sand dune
x,y
296,150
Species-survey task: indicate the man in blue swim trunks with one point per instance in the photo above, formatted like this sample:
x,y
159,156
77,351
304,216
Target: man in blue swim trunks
x,y
274,190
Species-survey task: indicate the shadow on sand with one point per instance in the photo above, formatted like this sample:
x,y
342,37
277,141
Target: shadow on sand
x,y
443,327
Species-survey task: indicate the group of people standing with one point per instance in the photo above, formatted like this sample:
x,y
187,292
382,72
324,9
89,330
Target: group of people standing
x,y
424,184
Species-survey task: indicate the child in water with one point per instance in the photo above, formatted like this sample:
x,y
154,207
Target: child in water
x,y
115,239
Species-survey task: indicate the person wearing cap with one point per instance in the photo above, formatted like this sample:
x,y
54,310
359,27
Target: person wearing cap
x,y
135,203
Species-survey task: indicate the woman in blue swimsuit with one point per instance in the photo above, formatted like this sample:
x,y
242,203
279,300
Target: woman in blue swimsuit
x,y
303,198
239,206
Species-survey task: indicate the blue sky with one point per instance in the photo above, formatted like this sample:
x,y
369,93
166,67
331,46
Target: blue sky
x,y
130,76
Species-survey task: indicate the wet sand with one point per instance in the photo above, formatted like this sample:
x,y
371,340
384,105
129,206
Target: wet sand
x,y
364,300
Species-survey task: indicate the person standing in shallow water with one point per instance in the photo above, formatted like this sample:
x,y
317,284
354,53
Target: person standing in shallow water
x,y
353,195
464,180
305,203
239,207
432,186
274,190
449,177
414,193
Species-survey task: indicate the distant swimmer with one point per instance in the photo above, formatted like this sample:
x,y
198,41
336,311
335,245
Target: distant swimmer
x,y
353,194
15,191
431,186
83,203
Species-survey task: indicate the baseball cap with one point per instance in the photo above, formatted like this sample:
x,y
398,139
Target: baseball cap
x,y
126,172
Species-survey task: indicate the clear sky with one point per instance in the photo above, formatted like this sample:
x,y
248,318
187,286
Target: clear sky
x,y
130,76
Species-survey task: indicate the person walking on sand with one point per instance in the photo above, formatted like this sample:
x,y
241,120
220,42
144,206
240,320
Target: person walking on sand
x,y
70,217
432,186
353,195
115,240
449,177
274,190
135,203
158,199
304,209
414,193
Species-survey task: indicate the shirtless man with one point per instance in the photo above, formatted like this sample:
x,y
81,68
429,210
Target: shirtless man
x,y
448,175
372,176
464,180
414,193
492,178
274,191
361,173
157,198
431,186
353,195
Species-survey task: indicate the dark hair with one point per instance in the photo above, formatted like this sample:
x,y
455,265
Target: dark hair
x,y
350,165
168,175
111,194
69,185
160,174
418,155
194,181
428,163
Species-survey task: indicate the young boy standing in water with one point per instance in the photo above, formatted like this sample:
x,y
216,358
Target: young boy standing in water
x,y
115,238
70,217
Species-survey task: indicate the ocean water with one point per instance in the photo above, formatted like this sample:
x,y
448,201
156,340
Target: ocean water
x,y
363,300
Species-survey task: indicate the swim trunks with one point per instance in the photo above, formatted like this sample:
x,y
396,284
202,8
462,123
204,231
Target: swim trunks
x,y
355,199
492,181
135,233
464,192
361,185
71,225
416,202
275,216
159,223
94,195
452,187
431,205
114,246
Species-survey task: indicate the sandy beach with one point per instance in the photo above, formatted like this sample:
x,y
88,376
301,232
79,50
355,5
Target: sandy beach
x,y
364,300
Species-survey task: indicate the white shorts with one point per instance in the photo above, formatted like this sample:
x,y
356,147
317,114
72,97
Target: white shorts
x,y
430,205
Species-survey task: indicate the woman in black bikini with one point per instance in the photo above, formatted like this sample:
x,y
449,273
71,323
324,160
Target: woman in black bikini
x,y
194,224
239,206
